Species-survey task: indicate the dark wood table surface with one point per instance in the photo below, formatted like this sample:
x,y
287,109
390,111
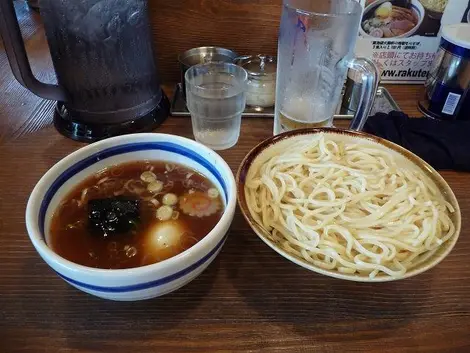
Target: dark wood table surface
x,y
249,299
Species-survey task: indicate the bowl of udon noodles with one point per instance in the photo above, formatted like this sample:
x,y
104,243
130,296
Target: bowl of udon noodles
x,y
434,8
132,217
348,204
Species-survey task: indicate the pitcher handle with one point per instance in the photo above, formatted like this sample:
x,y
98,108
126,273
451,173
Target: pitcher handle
x,y
17,57
370,83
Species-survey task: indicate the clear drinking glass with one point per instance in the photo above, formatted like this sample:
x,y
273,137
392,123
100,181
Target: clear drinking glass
x,y
215,97
315,50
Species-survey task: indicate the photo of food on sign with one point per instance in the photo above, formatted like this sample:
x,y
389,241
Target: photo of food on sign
x,y
407,18
402,36
389,19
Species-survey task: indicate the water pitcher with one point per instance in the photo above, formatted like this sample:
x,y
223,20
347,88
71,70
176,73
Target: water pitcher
x,y
315,50
104,62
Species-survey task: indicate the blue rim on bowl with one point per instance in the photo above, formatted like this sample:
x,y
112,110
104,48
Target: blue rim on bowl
x,y
50,184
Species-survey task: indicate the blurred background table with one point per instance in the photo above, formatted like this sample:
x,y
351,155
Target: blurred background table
x,y
249,299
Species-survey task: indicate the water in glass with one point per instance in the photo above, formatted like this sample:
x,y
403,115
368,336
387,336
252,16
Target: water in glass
x,y
215,98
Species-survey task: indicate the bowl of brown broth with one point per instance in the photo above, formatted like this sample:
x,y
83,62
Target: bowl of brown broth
x,y
132,217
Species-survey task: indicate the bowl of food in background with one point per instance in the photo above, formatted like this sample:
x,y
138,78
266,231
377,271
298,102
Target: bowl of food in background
x,y
434,8
132,217
392,19
348,204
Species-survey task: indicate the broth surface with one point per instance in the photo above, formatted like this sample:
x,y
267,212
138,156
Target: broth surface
x,y
198,209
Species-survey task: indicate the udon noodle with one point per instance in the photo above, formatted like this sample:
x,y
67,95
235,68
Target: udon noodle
x,y
350,208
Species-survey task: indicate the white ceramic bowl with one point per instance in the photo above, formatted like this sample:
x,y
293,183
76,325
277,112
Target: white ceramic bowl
x,y
415,5
140,282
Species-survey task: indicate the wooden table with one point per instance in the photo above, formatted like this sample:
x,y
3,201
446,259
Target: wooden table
x,y
249,299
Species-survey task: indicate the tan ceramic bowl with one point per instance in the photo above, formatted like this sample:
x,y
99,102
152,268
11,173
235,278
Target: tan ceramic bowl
x,y
276,144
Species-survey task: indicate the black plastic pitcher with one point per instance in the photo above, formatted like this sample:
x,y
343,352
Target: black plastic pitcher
x,y
104,62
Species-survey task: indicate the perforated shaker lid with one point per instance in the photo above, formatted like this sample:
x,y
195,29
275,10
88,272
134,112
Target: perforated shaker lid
x,y
458,34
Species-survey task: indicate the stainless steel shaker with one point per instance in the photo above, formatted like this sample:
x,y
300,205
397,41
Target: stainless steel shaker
x,y
202,55
448,83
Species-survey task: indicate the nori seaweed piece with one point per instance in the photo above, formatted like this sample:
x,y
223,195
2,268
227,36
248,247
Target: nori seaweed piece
x,y
111,216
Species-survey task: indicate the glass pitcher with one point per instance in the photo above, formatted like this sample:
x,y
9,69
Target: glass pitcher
x,y
315,51
104,61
